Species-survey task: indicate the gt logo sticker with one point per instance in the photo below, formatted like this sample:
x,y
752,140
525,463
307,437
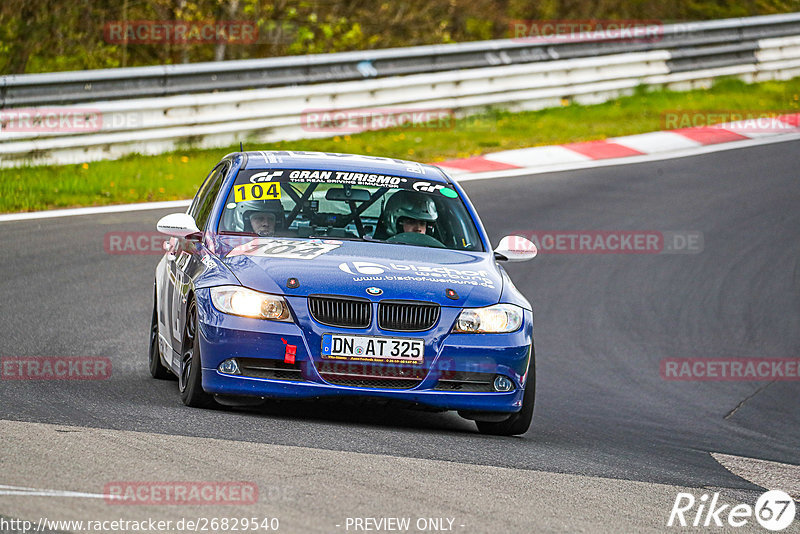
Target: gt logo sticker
x,y
265,176
265,191
283,248
428,187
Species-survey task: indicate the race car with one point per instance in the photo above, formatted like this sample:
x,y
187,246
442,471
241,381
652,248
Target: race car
x,y
305,275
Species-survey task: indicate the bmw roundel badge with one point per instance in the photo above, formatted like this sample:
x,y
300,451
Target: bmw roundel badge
x,y
374,290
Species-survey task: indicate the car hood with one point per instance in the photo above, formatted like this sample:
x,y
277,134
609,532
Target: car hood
x,y
351,267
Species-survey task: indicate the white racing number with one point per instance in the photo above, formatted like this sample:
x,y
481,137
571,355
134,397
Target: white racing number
x,y
283,248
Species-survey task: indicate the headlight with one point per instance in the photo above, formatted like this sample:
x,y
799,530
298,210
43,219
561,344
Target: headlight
x,y
495,319
248,303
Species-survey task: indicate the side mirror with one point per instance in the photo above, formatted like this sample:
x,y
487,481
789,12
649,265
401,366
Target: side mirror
x,y
177,225
515,248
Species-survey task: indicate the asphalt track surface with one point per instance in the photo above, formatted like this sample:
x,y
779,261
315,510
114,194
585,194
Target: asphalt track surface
x,y
603,323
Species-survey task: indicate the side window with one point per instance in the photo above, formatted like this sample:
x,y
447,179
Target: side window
x,y
202,191
204,200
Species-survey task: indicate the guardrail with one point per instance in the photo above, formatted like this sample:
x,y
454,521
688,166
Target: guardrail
x,y
452,77
108,84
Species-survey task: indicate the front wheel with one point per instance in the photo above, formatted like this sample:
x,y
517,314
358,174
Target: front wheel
x,y
190,377
519,422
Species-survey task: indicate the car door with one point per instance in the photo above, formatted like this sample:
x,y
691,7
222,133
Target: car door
x,y
186,251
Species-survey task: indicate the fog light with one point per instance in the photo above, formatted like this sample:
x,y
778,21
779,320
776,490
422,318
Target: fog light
x,y
503,383
230,367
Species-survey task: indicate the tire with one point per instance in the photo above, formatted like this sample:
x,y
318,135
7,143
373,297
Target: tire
x,y
190,378
157,369
519,422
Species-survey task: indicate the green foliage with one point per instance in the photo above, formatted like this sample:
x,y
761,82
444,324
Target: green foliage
x,y
476,29
38,36
332,35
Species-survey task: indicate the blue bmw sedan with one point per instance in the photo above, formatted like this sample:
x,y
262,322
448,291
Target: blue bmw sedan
x,y
306,274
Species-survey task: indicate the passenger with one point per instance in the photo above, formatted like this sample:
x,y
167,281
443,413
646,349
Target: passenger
x,y
408,212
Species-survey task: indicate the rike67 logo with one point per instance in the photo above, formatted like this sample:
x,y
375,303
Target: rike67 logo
x,y
774,510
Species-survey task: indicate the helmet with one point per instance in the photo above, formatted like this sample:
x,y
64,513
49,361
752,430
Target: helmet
x,y
407,204
244,210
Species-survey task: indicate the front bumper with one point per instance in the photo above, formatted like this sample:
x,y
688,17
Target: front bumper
x,y
448,357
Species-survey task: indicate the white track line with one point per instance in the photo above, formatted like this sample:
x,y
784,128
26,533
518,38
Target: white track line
x,y
36,492
116,208
767,474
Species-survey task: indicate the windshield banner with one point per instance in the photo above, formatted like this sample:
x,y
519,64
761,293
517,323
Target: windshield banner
x,y
319,176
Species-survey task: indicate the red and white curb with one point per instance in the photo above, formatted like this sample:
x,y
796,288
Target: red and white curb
x,y
630,148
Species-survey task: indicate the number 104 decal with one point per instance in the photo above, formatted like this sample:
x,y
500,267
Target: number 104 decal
x,y
265,191
283,248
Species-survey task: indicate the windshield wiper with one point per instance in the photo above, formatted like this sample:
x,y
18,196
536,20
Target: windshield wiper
x,y
338,238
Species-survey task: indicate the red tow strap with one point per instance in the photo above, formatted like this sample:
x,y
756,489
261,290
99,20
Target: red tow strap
x,y
290,353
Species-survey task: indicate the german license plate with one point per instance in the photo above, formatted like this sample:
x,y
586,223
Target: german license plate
x,y
372,348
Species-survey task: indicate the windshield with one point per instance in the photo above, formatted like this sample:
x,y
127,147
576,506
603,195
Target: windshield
x,y
348,205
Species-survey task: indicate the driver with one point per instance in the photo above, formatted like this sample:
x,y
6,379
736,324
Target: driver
x,y
409,212
261,217
263,222
417,226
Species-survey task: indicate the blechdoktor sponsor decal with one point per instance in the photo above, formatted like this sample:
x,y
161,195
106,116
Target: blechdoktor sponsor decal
x,y
415,273
774,510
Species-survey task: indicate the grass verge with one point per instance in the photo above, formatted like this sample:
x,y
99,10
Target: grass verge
x,y
177,175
